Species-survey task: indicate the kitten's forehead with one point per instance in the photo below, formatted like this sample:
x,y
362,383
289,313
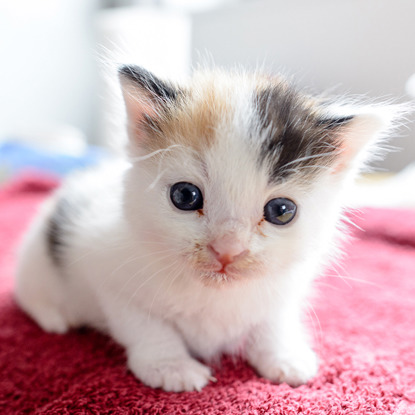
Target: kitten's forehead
x,y
206,105
250,116
236,179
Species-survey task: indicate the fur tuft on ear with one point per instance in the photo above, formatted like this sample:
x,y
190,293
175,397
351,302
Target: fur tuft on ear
x,y
363,135
146,97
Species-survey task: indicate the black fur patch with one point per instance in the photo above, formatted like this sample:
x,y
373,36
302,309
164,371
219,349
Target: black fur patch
x,y
149,82
57,229
300,141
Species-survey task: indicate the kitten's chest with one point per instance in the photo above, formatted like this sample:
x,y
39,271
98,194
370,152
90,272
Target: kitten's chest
x,y
207,337
219,326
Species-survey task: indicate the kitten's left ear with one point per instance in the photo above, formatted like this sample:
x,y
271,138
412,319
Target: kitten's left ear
x,y
361,134
145,95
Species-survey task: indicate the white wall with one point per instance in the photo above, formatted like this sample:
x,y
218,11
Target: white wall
x,y
47,68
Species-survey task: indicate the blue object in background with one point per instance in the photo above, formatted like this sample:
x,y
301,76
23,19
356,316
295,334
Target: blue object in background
x,y
16,157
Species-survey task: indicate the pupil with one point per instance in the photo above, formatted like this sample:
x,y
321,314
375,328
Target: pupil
x,y
187,196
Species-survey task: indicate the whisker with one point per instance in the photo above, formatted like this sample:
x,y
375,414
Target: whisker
x,y
320,330
314,166
350,222
138,257
154,153
167,237
159,288
140,270
346,278
156,180
145,282
305,158
95,250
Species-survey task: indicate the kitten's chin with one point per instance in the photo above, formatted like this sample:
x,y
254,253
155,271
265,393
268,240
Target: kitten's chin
x,y
219,278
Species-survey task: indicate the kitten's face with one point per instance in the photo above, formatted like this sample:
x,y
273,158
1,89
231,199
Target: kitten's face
x,y
243,181
228,238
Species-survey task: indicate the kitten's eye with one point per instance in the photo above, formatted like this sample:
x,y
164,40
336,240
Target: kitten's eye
x,y
280,211
186,196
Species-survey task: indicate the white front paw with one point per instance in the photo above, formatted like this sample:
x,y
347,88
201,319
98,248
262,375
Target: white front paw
x,y
294,367
172,375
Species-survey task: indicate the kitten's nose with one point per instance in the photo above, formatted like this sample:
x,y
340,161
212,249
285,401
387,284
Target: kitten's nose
x,y
226,250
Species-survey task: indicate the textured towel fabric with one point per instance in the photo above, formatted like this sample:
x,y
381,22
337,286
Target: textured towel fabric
x,y
363,326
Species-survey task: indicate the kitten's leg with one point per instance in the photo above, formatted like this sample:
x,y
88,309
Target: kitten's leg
x,y
279,350
39,288
156,353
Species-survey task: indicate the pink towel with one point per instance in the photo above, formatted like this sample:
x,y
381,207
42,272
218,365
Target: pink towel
x,y
363,325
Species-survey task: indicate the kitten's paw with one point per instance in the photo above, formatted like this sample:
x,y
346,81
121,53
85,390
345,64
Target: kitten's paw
x,y
50,320
172,375
294,368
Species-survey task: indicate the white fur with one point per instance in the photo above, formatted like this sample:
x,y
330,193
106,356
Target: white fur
x,y
130,266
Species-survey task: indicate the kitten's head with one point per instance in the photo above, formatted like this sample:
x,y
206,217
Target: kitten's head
x,y
237,176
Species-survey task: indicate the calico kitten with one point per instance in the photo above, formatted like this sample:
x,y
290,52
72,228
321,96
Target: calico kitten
x,y
207,237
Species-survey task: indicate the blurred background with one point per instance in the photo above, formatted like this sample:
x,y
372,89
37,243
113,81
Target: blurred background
x,y
55,97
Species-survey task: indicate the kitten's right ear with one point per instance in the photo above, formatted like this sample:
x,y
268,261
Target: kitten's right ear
x,y
146,97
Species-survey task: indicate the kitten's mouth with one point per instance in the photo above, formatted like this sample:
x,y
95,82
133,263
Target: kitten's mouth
x,y
225,269
223,275
213,273
222,271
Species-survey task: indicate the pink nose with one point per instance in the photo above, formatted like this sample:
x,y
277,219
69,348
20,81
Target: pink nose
x,y
227,250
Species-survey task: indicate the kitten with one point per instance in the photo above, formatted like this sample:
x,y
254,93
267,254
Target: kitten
x,y
207,237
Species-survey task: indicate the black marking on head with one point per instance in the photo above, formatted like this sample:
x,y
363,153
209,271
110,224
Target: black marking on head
x,y
300,140
334,122
57,230
149,82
